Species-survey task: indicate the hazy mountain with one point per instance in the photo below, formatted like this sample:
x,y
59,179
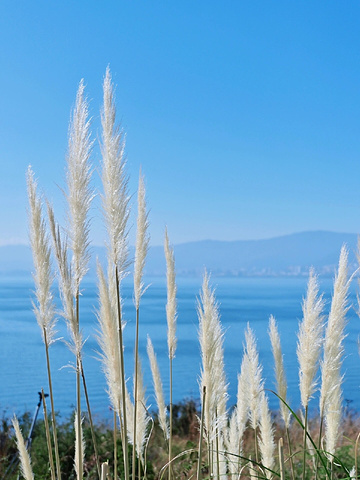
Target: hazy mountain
x,y
285,255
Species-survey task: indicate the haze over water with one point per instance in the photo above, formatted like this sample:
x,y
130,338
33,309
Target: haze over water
x,y
242,300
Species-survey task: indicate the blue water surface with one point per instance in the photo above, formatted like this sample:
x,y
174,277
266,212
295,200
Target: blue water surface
x,y
241,300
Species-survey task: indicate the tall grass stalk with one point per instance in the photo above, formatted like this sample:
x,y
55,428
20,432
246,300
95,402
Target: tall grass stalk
x,y
310,341
115,446
201,436
281,459
43,277
281,384
331,377
116,210
141,249
48,437
171,323
79,196
79,447
212,374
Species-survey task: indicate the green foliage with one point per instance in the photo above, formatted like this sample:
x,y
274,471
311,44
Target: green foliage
x,y
66,438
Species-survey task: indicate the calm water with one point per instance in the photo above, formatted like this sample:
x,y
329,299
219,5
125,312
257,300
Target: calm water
x,y
242,300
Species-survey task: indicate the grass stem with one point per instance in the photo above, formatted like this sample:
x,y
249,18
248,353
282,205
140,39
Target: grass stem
x,y
48,438
281,459
115,447
171,417
123,384
90,420
53,418
135,390
304,442
201,434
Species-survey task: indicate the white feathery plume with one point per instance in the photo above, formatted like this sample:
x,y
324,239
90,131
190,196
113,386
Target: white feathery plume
x,y
279,369
333,421
242,408
254,377
142,242
232,444
171,296
334,336
130,416
25,462
330,393
158,388
39,240
142,418
266,444
79,193
79,448
310,339
115,181
109,342
211,339
66,283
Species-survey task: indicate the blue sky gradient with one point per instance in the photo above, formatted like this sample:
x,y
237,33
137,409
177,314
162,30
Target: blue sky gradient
x,y
245,116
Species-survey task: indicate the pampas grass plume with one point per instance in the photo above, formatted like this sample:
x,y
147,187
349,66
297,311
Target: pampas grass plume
x,y
279,369
266,444
25,462
171,296
158,388
211,339
79,193
335,334
109,342
115,181
310,339
254,377
142,242
66,283
39,240
330,394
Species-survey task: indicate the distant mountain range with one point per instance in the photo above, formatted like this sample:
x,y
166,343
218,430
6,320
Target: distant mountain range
x,y
290,255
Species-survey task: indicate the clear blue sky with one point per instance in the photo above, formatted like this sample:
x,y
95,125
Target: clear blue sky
x,y
245,115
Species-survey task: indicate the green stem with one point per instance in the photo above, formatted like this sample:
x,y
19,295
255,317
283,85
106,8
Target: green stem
x,y
319,445
290,453
171,417
115,448
78,387
53,418
217,450
90,419
135,389
201,435
123,384
48,437
304,442
256,445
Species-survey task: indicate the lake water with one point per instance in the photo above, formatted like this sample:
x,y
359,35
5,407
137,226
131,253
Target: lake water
x,y
242,300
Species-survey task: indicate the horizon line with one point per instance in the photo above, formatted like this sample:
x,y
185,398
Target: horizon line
x,y
22,243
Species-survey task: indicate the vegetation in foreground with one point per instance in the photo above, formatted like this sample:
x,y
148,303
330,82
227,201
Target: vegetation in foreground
x,y
215,441
186,438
